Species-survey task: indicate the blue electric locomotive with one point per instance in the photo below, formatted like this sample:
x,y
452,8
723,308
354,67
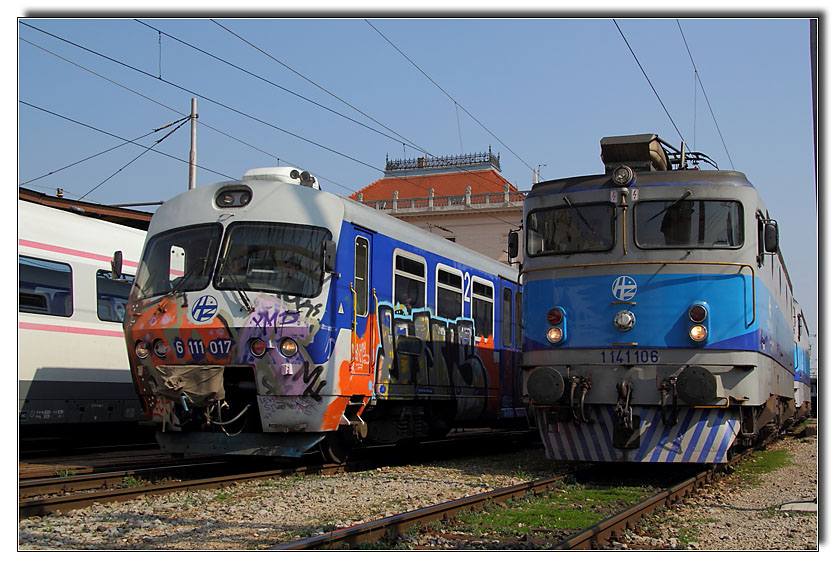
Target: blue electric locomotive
x,y
268,317
659,322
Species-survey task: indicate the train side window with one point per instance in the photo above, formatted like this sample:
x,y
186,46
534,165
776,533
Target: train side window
x,y
112,296
45,287
448,293
410,282
361,276
481,306
507,323
519,321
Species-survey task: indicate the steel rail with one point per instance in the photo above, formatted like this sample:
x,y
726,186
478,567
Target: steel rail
x,y
615,525
378,529
44,506
100,480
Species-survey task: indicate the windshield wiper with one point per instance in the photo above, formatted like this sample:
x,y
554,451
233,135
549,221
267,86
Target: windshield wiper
x,y
236,285
682,197
178,288
576,210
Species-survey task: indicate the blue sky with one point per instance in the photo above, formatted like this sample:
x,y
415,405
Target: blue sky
x,y
541,92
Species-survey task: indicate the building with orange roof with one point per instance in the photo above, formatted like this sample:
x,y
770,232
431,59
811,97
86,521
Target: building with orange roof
x,y
463,198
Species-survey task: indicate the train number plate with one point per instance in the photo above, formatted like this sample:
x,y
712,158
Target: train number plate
x,y
626,356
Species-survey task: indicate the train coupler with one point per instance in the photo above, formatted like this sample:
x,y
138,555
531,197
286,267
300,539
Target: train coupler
x,y
670,409
579,387
626,426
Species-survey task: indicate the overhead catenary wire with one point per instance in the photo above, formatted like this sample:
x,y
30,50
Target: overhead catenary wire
x,y
259,77
121,138
448,94
207,98
403,140
211,100
179,123
699,80
146,97
682,138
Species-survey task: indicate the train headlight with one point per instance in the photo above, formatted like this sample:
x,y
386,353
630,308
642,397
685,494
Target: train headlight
x,y
141,349
623,176
698,333
554,316
258,347
160,348
624,320
698,313
554,335
288,347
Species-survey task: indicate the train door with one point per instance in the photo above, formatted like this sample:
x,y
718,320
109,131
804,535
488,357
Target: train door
x,y
363,314
506,346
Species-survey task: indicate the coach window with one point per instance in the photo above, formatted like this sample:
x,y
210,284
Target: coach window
x,y
45,287
481,305
448,293
507,323
112,296
361,276
519,321
410,282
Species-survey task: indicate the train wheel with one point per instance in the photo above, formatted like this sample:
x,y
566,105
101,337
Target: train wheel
x,y
334,448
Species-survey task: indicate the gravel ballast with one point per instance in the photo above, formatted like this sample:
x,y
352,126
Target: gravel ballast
x,y
262,514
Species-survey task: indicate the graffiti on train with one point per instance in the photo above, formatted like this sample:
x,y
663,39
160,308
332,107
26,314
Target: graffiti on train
x,y
435,355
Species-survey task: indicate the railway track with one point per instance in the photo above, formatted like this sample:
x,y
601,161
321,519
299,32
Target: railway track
x,y
595,536
40,496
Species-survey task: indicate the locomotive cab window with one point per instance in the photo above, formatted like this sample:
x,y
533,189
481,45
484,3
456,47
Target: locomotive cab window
x,y
410,282
571,228
481,305
45,287
710,224
448,293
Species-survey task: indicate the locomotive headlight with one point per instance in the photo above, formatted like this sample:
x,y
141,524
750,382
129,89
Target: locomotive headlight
x,y
698,333
623,176
554,316
160,348
288,347
697,313
554,335
624,320
258,347
141,349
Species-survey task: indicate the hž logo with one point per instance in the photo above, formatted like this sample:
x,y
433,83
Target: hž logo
x,y
624,288
204,309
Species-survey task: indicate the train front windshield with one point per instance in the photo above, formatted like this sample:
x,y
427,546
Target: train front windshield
x,y
689,223
272,257
571,228
178,260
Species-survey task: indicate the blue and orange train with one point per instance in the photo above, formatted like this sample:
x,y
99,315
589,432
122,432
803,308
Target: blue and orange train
x,y
269,317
